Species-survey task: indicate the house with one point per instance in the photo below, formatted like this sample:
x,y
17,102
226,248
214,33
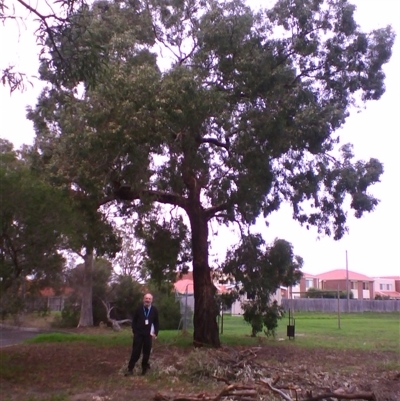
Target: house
x,y
55,302
360,285
387,287
306,282
184,289
237,309
185,285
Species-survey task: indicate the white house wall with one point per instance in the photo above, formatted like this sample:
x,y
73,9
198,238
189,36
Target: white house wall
x,y
237,305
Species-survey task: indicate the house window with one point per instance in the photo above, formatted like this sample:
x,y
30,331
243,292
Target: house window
x,y
365,285
353,285
381,287
309,283
389,287
251,295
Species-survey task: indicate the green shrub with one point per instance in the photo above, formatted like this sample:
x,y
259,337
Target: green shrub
x,y
169,312
69,315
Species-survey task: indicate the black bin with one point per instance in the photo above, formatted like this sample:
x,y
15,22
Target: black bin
x,y
290,330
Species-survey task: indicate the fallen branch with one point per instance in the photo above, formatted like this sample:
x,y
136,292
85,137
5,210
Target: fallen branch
x,y
114,323
276,390
240,392
221,379
343,396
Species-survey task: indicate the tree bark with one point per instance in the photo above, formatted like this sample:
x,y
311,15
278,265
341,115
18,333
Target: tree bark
x,y
205,307
86,318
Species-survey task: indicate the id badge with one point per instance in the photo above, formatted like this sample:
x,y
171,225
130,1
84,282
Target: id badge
x,y
146,322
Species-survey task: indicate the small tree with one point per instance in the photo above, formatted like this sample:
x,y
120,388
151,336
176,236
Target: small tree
x,y
258,272
168,307
125,295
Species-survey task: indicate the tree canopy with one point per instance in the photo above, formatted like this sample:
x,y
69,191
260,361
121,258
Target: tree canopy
x,y
216,110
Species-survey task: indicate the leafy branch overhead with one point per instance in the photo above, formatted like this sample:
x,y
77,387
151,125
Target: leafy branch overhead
x,y
52,22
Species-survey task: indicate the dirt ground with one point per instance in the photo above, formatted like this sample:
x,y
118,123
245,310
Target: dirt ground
x,y
83,372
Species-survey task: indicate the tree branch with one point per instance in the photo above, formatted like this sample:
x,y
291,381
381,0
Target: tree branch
x,y
211,211
276,390
343,396
43,18
216,142
115,323
125,193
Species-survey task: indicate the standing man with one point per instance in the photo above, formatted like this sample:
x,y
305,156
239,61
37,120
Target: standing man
x,y
144,327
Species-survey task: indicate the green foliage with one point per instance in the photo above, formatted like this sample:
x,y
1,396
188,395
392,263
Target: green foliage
x,y
317,293
105,339
169,311
12,304
167,249
69,315
44,311
49,24
32,221
258,272
253,316
271,317
125,296
260,316
259,269
168,308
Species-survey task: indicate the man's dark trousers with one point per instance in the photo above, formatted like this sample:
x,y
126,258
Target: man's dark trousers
x,y
140,342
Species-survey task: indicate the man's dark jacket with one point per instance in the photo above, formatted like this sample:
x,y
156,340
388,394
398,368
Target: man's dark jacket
x,y
138,321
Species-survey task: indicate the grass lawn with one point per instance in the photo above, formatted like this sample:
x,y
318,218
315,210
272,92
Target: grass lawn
x,y
369,331
357,330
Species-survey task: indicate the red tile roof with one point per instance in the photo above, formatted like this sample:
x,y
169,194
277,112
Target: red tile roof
x,y
305,275
340,274
184,285
49,292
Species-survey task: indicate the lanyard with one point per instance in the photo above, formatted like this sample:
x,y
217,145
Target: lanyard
x,y
146,315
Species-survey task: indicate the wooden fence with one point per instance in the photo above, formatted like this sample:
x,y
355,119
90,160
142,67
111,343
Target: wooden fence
x,y
331,305
42,303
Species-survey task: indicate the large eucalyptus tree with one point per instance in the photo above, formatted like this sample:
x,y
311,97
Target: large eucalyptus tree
x,y
219,111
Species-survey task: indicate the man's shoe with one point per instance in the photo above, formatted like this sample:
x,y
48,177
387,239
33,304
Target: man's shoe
x,y
145,369
128,372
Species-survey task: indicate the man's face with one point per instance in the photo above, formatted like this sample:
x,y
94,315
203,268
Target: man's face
x,y
147,299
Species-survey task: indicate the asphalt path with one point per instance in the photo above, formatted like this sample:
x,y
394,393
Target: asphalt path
x,y
11,336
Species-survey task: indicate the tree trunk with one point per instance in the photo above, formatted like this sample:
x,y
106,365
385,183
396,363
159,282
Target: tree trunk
x,y
205,307
86,318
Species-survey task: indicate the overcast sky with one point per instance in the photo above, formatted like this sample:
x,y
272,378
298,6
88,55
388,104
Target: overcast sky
x,y
372,242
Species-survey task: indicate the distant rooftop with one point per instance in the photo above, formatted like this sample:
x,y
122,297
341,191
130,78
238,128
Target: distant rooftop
x,y
340,274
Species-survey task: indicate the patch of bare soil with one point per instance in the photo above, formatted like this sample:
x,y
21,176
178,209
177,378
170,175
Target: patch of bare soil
x,y
84,372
